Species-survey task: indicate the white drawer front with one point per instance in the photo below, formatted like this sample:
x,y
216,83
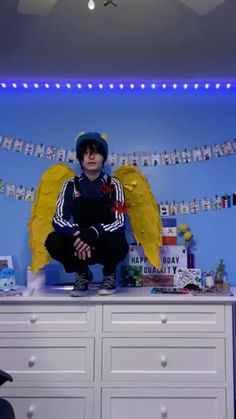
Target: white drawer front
x,y
47,318
169,359
51,403
44,359
140,403
164,318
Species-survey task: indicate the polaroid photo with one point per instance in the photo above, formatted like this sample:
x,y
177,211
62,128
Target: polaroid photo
x,y
175,157
164,209
217,150
29,149
206,204
29,195
186,156
50,152
112,159
184,208
197,154
145,159
206,152
194,206
122,158
60,154
18,145
20,192
155,159
134,159
165,157
71,156
174,208
7,143
226,201
10,189
39,150
216,202
227,148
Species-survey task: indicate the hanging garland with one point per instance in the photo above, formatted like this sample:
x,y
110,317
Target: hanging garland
x,y
168,208
61,154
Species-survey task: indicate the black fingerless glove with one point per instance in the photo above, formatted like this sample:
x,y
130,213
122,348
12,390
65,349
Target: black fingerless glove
x,y
88,235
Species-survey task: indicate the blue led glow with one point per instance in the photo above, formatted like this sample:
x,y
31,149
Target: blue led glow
x,y
126,85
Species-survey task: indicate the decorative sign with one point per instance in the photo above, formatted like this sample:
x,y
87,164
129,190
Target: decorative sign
x,y
171,257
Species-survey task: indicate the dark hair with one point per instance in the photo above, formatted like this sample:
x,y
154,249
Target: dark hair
x,y
92,146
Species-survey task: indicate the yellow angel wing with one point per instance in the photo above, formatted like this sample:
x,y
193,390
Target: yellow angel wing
x,y
42,211
142,210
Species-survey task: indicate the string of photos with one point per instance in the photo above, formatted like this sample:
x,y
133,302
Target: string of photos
x,y
217,202
61,154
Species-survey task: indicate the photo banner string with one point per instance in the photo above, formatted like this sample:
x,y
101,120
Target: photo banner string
x,y
61,154
167,208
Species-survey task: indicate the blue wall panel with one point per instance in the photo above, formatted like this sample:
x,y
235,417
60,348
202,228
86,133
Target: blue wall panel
x,y
135,122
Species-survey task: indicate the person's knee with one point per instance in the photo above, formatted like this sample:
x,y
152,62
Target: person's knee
x,y
117,246
50,241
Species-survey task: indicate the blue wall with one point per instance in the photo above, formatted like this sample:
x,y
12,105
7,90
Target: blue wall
x,y
135,122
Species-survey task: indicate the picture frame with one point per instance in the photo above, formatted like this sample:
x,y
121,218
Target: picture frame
x,y
5,262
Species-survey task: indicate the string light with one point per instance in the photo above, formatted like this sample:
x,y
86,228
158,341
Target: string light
x,y
114,86
91,5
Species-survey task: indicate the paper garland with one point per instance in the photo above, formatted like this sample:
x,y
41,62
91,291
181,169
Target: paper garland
x,y
61,154
168,208
226,148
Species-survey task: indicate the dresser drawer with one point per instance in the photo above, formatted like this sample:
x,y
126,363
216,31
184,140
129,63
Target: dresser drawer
x,y
51,403
163,318
32,359
184,403
168,359
47,318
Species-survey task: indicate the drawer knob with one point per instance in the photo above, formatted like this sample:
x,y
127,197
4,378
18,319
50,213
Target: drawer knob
x,y
163,360
33,318
163,412
30,411
163,318
32,361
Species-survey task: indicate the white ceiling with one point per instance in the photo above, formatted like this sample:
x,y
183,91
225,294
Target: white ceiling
x,y
148,39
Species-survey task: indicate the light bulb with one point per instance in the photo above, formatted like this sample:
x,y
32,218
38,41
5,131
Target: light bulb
x,y
91,5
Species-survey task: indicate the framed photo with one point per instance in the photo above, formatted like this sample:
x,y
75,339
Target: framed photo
x,y
5,262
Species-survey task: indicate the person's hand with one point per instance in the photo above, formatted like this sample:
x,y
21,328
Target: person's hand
x,y
83,255
88,235
82,249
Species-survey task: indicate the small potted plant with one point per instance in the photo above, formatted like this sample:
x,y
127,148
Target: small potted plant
x,y
219,275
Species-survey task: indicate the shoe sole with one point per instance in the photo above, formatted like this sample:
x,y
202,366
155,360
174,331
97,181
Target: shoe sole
x,y
106,292
78,293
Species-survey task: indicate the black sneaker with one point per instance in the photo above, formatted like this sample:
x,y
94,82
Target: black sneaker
x,y
81,284
108,285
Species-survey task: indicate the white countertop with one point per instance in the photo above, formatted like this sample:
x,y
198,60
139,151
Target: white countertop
x,y
122,295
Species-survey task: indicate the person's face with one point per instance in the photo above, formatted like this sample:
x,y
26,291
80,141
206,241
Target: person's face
x,y
92,161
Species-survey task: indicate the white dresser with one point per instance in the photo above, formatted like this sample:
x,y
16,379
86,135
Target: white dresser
x,y
132,355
